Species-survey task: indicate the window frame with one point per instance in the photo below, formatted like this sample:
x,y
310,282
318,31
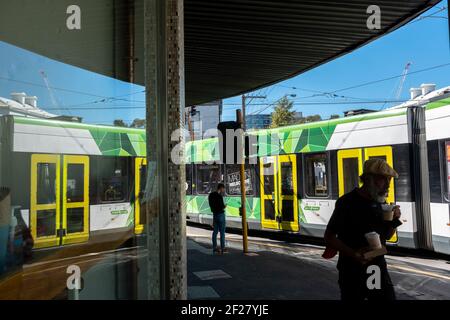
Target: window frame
x,y
305,174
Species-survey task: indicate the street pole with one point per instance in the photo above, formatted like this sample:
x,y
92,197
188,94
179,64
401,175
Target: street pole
x,y
243,196
243,113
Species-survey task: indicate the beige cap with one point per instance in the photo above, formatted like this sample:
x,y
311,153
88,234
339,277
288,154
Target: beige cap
x,y
379,166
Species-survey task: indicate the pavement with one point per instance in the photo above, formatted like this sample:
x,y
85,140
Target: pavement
x,y
276,269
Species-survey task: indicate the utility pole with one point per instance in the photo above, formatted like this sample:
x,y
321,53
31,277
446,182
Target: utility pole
x,y
244,97
241,152
240,118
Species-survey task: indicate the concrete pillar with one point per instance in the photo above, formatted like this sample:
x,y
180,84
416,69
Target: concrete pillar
x,y
164,200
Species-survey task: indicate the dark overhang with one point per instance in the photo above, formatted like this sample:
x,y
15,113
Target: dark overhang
x,y
231,46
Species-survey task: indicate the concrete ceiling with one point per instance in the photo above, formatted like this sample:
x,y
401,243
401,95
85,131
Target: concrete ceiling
x,y
231,46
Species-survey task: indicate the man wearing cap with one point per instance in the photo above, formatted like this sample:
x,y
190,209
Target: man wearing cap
x,y
357,213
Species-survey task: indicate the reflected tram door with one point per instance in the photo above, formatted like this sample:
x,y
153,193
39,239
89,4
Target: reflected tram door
x,y
59,199
350,167
140,180
278,184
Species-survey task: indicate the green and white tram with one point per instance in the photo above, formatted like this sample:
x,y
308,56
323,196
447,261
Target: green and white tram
x,y
77,186
318,162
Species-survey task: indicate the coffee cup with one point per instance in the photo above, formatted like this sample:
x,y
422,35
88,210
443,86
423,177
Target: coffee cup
x,y
373,239
388,211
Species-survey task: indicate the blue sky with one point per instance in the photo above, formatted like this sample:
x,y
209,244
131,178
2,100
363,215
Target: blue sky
x,y
424,43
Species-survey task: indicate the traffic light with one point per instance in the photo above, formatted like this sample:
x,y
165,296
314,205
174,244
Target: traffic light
x,y
230,135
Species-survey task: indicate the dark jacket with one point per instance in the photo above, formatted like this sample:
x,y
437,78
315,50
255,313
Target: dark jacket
x,y
216,203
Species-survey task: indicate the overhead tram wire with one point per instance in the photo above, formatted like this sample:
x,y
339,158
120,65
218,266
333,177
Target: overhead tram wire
x,y
65,89
386,79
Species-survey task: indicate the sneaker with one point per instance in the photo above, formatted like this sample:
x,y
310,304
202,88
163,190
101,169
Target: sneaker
x,y
224,250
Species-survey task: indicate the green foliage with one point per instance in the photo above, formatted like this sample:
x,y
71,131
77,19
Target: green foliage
x,y
334,116
313,118
138,123
283,114
119,123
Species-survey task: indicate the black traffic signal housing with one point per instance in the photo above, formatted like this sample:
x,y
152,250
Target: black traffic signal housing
x,y
222,127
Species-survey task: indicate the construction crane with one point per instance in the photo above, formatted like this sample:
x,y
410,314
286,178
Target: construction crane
x,y
50,91
402,81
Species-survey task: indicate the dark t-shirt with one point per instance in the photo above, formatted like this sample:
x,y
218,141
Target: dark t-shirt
x,y
216,204
353,217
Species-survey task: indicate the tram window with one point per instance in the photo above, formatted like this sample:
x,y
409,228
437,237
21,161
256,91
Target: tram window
x,y
287,183
269,177
189,179
46,180
233,180
113,177
75,220
208,176
46,223
351,174
75,183
316,175
447,152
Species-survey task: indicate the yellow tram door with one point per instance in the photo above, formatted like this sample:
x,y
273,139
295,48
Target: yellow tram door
x,y
140,178
45,200
287,192
75,204
350,167
384,153
269,212
278,184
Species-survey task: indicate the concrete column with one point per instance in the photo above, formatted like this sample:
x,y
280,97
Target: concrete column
x,y
164,78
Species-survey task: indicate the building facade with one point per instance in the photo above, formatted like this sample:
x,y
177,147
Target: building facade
x,y
258,121
202,118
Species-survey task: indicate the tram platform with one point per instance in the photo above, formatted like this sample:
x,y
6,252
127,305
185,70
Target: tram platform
x,y
280,270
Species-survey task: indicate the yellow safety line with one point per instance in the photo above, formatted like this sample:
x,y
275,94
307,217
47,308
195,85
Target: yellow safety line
x,y
253,241
431,274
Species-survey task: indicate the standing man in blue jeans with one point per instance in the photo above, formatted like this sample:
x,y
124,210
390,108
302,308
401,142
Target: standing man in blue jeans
x,y
217,206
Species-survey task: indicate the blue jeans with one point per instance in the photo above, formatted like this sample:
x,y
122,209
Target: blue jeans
x,y
219,226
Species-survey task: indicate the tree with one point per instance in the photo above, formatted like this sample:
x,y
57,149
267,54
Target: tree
x,y
138,123
119,123
283,115
334,116
313,118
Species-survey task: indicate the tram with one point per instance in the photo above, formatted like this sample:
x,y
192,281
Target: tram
x,y
303,169
77,187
